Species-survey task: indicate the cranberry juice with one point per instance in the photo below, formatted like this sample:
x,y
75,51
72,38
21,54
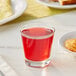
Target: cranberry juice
x,y
37,43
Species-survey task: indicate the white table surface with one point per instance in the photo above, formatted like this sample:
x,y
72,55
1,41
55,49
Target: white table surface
x,y
62,63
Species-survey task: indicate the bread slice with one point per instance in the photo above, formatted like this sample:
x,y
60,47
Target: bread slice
x,y
67,2
5,9
70,44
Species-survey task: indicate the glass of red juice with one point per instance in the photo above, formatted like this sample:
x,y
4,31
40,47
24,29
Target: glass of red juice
x,y
37,43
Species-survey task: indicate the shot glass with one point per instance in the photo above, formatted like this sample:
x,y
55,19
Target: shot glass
x,y
37,42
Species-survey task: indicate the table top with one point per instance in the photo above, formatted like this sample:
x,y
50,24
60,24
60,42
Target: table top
x,y
62,63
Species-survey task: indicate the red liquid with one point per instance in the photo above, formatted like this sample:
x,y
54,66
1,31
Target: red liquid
x,y
35,48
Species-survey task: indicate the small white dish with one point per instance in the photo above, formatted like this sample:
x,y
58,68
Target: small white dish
x,y
64,37
18,7
56,4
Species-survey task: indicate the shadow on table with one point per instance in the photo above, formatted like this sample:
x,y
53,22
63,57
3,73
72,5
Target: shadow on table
x,y
60,11
12,24
26,16
23,17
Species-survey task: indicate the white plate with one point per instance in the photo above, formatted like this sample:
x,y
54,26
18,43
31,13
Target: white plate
x,y
56,4
64,37
19,7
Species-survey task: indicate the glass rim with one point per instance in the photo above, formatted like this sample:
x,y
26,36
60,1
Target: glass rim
x,y
38,37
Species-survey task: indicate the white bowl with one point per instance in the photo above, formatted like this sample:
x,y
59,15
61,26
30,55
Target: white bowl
x,y
18,7
64,37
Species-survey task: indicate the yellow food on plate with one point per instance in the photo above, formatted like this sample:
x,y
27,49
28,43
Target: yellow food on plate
x,y
5,9
70,44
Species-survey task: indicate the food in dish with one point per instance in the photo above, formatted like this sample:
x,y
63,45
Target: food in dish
x,y
70,44
5,9
65,2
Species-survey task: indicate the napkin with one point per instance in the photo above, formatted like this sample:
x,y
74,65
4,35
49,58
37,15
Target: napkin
x,y
5,69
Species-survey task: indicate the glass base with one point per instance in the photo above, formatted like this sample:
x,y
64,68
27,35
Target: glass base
x,y
37,64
